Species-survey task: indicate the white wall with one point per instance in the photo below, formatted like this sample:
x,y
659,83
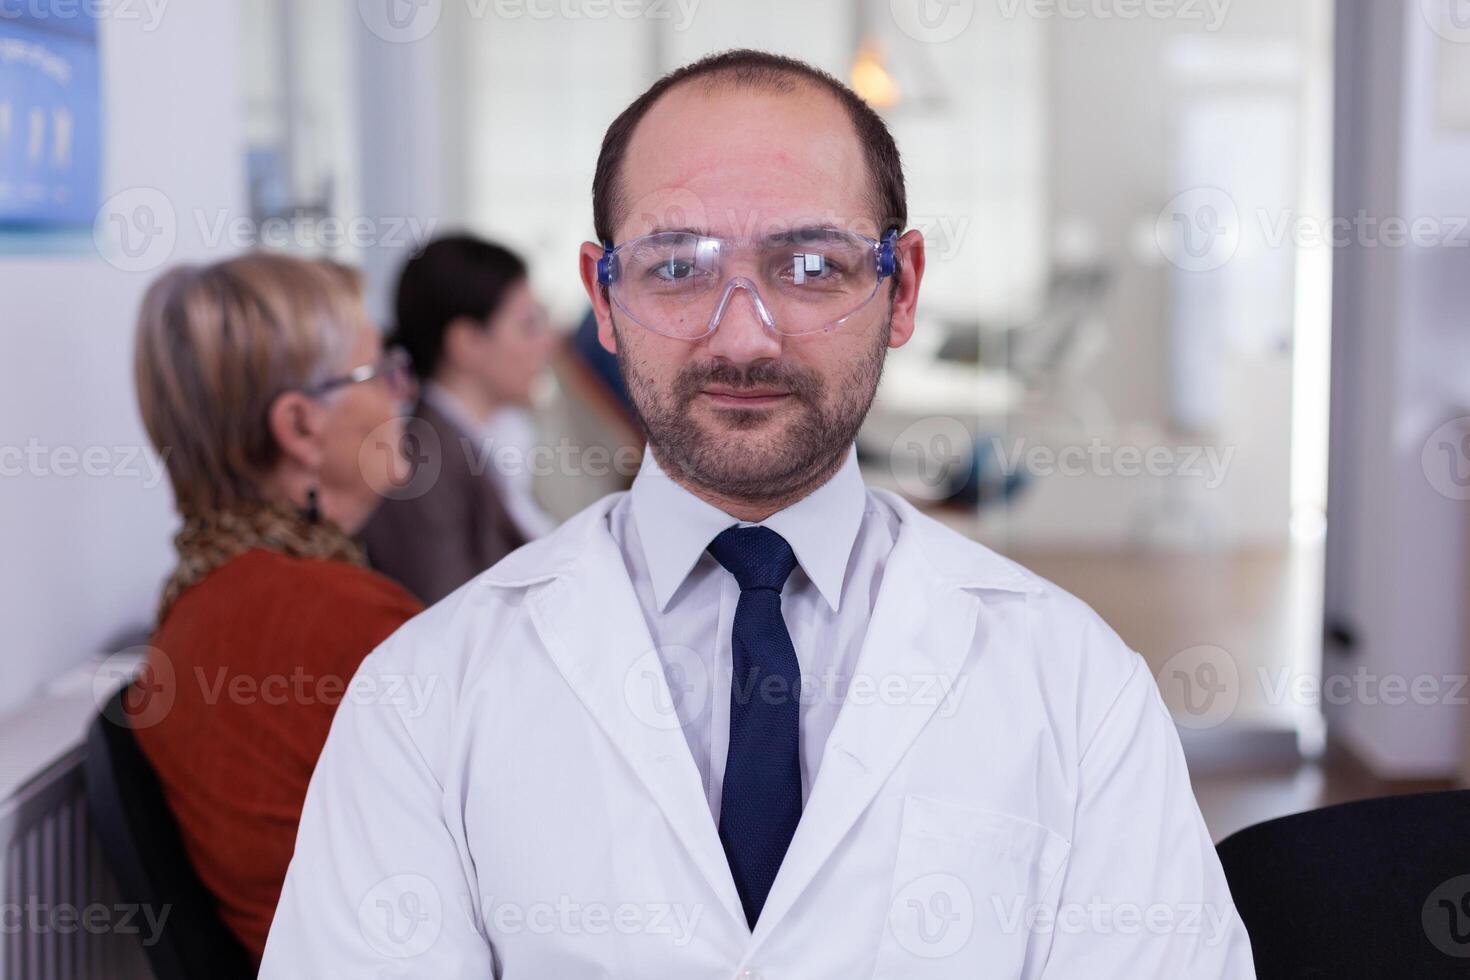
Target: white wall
x,y
406,147
84,556
1397,570
1137,111
537,96
539,93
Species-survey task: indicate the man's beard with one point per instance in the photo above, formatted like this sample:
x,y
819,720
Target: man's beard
x,y
806,451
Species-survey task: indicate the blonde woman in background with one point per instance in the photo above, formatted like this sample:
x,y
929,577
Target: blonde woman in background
x,y
263,383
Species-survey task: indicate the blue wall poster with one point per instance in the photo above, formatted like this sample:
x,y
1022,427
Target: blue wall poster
x,y
50,125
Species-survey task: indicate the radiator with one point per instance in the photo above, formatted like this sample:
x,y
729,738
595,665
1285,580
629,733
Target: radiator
x,y
60,914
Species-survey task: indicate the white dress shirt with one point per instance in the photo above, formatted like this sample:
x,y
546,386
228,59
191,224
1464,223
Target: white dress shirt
x,y
841,535
504,443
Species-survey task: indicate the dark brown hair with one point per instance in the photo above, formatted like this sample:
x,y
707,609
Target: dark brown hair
x,y
748,68
451,277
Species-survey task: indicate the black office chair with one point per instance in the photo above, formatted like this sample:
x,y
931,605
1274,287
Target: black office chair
x,y
140,839
1379,888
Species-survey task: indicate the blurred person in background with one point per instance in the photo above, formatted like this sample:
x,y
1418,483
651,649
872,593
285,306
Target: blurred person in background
x,y
479,340
264,386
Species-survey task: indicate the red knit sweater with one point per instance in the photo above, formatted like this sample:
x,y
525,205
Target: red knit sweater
x,y
246,671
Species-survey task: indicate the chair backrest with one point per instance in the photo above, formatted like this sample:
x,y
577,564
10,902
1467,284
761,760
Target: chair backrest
x,y
1378,888
141,841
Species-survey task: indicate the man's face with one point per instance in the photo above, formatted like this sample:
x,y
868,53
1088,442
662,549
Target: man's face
x,y
745,412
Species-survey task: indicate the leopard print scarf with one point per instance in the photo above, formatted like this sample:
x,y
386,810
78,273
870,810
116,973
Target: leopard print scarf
x,y
207,541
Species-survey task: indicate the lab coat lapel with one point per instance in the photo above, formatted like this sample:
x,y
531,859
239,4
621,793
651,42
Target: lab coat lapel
x,y
921,630
590,621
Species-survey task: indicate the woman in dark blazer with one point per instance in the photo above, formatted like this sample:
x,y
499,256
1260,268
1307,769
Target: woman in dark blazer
x,y
479,341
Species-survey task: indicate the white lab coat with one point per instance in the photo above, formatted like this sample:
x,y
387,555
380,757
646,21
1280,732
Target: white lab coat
x,y
506,792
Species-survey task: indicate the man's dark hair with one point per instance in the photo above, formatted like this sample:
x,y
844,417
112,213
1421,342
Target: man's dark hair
x,y
450,277
747,68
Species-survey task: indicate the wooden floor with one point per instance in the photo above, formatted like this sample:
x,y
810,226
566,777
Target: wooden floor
x,y
1232,801
1251,615
1258,611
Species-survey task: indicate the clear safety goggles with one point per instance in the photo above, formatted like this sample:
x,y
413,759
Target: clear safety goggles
x,y
679,284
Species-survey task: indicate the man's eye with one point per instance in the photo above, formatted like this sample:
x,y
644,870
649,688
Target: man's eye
x,y
811,267
673,269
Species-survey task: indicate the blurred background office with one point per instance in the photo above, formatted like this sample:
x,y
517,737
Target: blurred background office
x,y
1193,337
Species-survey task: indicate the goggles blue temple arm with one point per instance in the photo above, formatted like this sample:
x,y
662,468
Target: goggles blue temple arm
x,y
607,266
887,256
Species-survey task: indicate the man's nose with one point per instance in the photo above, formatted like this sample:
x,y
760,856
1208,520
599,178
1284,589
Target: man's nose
x,y
740,334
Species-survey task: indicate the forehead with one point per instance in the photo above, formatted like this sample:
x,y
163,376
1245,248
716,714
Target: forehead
x,y
744,162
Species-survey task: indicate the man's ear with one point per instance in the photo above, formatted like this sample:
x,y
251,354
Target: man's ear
x,y
296,422
910,248
587,266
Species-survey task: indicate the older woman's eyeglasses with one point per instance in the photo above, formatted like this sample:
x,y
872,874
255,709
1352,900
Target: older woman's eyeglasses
x,y
394,367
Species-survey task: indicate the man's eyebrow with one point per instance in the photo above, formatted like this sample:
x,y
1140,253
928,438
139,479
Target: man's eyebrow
x,y
808,233
660,230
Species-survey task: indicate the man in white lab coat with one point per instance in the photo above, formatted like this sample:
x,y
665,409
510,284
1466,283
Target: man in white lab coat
x,y
752,718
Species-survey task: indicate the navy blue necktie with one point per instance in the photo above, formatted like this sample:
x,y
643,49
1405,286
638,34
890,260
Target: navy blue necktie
x,y
761,797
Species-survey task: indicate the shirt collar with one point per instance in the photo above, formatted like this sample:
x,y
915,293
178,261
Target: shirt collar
x,y
448,404
675,527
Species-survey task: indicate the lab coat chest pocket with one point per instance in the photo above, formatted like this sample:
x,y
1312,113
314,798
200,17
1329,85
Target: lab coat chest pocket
x,y
967,892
